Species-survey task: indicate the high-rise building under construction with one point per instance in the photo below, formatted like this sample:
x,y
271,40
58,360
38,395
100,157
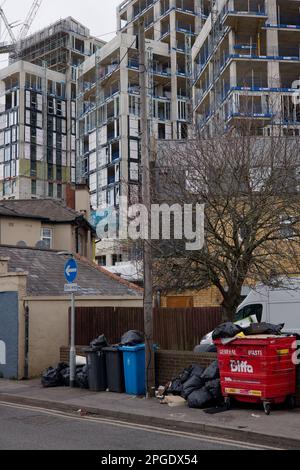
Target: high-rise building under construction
x,y
247,65
38,111
109,98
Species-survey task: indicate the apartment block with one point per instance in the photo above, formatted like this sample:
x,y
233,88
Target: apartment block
x,y
108,105
246,64
38,111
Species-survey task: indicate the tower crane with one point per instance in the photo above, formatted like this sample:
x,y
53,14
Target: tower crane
x,y
16,41
29,19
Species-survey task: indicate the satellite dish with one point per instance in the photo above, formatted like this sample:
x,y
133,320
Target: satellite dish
x,y
22,244
41,245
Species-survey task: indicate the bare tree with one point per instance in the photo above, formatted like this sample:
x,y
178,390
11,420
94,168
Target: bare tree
x,y
250,189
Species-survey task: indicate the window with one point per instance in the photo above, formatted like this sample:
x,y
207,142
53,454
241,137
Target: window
x,y
50,189
46,237
33,187
249,310
116,259
102,260
59,191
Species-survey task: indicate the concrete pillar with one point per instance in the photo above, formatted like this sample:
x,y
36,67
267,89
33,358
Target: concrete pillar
x,y
124,113
231,5
233,74
130,29
273,74
272,43
22,162
174,104
198,19
271,6
231,40
157,23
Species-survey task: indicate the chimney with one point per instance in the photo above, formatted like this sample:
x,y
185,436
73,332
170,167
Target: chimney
x,y
4,266
82,200
70,196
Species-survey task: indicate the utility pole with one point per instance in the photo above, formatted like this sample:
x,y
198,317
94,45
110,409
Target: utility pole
x,y
146,199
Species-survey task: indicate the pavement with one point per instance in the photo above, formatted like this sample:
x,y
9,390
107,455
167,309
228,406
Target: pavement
x,y
247,424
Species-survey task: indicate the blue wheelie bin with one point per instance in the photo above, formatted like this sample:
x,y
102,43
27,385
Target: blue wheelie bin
x,y
134,369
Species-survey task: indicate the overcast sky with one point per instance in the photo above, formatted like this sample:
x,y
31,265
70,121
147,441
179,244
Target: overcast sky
x,y
98,15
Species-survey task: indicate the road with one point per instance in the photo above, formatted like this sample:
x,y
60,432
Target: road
x,y
28,428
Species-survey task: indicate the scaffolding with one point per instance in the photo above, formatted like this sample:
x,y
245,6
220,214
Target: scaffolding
x,y
53,45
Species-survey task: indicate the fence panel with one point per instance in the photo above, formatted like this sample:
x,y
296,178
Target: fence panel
x,y
174,329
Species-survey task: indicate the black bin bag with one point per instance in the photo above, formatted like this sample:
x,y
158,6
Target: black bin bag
x,y
215,390
175,388
132,338
226,330
264,329
212,372
52,377
199,399
194,382
99,343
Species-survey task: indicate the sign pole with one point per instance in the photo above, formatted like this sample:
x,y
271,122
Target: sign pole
x,y
72,348
71,272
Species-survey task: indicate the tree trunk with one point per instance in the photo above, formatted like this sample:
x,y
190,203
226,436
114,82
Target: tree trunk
x,y
230,304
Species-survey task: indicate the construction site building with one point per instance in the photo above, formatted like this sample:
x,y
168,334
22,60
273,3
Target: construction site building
x,y
108,104
38,111
247,65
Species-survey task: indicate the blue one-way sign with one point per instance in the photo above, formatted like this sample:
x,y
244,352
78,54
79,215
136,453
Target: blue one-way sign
x,y
71,270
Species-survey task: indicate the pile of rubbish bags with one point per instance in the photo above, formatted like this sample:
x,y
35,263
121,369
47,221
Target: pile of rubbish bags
x,y
200,387
231,330
60,376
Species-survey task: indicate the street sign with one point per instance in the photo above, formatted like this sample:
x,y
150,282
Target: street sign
x,y
71,288
71,270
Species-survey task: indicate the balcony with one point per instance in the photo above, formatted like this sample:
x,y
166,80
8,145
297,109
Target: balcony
x,y
161,71
147,5
185,7
185,28
108,70
243,13
248,107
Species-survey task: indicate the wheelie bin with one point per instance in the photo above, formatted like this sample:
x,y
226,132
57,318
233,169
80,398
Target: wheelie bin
x,y
114,369
96,370
258,370
135,369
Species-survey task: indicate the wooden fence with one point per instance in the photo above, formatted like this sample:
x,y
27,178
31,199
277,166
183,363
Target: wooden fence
x,y
174,329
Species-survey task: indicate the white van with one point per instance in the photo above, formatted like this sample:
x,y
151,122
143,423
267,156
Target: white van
x,y
271,305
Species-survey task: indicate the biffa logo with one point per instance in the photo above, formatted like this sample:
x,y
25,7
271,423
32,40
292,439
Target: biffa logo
x,y
241,366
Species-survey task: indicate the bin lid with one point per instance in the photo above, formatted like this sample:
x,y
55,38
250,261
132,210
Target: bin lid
x,y
91,350
136,348
112,349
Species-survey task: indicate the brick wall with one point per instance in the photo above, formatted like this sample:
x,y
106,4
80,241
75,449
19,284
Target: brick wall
x,y
169,364
210,297
65,353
